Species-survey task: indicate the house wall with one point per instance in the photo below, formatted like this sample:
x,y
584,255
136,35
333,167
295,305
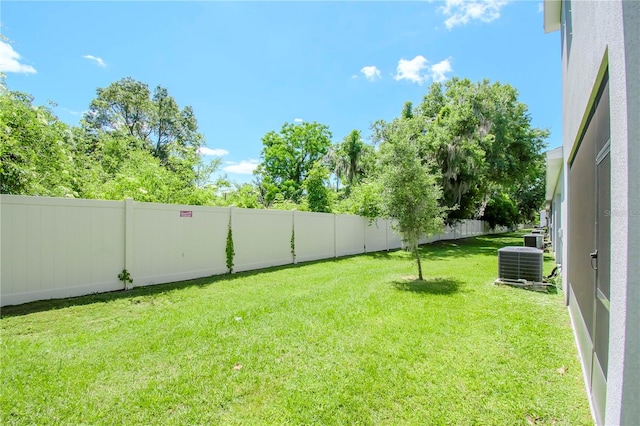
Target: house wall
x,y
554,193
556,231
624,399
606,35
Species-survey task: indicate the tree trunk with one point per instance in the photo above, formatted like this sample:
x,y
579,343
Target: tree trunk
x,y
419,264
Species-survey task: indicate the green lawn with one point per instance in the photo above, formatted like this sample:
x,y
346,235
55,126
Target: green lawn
x,y
347,341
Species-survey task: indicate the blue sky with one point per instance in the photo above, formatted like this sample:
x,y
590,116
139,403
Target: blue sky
x,y
248,67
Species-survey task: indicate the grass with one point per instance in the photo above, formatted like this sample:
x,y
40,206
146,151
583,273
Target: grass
x,y
348,341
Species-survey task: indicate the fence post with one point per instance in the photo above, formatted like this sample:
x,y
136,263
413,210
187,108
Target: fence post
x,y
335,235
364,235
386,233
129,255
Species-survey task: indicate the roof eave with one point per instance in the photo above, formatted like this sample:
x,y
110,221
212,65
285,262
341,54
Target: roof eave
x,y
555,159
552,15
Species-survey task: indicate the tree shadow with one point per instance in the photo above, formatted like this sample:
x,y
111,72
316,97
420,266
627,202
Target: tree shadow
x,y
436,285
383,255
485,245
149,290
136,292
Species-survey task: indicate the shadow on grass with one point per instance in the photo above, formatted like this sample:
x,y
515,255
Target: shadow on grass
x,y
150,290
438,286
485,245
143,291
545,288
482,245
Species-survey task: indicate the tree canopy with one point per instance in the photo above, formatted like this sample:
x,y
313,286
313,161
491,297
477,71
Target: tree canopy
x,y
111,155
127,106
473,139
288,157
478,139
34,149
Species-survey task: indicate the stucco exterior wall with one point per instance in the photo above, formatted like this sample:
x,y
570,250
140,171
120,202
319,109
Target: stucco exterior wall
x,y
607,34
625,405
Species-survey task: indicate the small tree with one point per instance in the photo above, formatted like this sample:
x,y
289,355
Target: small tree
x,y
229,249
410,194
317,192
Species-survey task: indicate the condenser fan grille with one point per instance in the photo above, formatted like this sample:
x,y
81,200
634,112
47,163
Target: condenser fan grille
x,y
516,263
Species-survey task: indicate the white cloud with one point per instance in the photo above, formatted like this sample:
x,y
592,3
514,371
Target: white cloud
x,y
418,70
371,73
414,70
244,167
298,120
461,12
218,152
439,70
10,60
72,112
99,62
540,7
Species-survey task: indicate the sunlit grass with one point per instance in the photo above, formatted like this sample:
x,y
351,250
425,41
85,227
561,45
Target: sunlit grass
x,y
349,341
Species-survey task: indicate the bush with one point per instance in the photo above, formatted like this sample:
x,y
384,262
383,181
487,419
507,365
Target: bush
x,y
501,211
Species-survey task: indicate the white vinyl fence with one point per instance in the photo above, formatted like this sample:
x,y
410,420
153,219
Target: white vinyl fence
x,y
59,247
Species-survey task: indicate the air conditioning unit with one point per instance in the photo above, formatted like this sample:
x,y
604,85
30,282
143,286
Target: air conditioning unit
x,y
533,240
520,263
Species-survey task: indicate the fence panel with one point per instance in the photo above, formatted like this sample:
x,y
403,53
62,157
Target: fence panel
x,y
448,233
53,248
349,234
375,236
56,247
431,239
262,238
395,239
463,229
174,242
472,228
315,235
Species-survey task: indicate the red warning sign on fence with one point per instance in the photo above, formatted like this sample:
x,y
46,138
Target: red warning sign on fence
x,y
186,213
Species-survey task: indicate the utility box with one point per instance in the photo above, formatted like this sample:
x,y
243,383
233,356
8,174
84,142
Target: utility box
x,y
533,240
520,263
